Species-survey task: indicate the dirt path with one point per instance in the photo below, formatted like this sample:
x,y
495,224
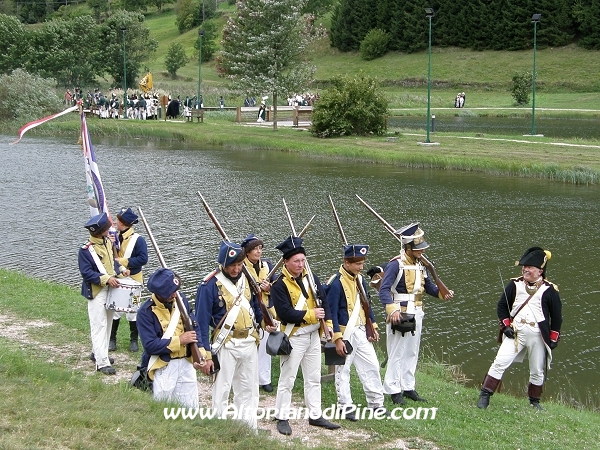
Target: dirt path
x,y
23,333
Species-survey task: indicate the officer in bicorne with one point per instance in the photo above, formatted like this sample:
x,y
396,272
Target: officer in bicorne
x,y
530,315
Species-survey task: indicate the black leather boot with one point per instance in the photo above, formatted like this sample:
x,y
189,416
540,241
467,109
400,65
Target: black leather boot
x,y
112,342
535,393
133,336
487,390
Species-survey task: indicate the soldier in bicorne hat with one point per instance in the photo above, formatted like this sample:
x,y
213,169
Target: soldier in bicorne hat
x,y
131,257
166,343
404,282
258,268
349,320
530,315
98,270
226,304
300,312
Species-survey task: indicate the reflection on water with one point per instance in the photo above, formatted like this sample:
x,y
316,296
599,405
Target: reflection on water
x,y
477,226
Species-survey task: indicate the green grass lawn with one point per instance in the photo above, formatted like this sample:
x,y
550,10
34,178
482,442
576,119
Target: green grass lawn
x,y
49,401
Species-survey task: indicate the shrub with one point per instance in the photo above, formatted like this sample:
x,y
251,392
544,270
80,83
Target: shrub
x,y
375,44
352,106
522,84
176,58
27,97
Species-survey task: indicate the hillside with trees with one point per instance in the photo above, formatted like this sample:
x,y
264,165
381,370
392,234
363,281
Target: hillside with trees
x,y
469,24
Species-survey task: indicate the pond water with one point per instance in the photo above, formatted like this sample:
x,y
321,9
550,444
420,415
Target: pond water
x,y
477,226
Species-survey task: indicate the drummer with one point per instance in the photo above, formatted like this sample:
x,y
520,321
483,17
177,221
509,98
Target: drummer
x,y
131,256
94,259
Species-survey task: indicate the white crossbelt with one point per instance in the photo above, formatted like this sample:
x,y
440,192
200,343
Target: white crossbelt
x,y
353,319
240,302
168,334
299,307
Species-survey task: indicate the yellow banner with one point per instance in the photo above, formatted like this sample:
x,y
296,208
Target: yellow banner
x,y
146,83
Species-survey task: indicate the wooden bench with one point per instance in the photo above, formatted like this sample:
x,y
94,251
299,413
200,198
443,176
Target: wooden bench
x,y
196,114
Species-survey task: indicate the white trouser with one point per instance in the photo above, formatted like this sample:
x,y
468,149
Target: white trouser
x,y
367,367
131,317
264,362
100,326
530,343
403,355
306,352
177,382
239,371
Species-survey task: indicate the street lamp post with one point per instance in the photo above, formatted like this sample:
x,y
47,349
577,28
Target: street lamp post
x,y
535,19
200,35
429,13
123,29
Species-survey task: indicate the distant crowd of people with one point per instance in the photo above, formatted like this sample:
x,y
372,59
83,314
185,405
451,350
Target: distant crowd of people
x,y
306,99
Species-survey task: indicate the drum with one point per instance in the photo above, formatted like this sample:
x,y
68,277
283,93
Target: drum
x,y
126,297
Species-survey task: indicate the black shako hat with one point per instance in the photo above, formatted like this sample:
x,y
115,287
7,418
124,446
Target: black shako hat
x,y
536,257
291,246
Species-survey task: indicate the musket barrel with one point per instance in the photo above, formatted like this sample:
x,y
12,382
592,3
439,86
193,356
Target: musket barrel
x,y
188,324
370,330
311,280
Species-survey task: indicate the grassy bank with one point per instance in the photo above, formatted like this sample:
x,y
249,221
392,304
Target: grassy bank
x,y
572,161
51,401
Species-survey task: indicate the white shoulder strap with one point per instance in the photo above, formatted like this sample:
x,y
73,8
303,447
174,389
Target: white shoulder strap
x,y
299,307
130,245
168,334
96,259
241,302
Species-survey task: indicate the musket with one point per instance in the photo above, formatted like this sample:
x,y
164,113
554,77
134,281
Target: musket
x,y
430,267
280,262
311,279
364,301
253,283
188,323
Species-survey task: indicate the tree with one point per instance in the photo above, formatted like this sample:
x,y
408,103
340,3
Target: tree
x,y
522,84
158,3
264,49
587,13
350,22
176,58
13,41
134,5
209,47
352,106
191,13
56,50
27,97
139,46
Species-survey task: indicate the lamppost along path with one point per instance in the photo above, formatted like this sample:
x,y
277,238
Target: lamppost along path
x,y
123,29
429,13
200,35
535,19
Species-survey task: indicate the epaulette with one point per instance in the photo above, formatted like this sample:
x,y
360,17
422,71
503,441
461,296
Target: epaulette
x,y
552,284
86,245
332,278
279,277
211,275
